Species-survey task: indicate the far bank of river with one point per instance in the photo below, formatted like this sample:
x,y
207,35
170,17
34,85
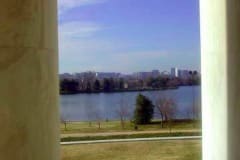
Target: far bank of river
x,y
104,106
119,90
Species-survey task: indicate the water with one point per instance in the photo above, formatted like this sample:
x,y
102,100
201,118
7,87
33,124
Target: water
x,y
105,106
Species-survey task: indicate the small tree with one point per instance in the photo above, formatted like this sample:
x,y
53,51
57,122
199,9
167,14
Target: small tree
x,y
64,121
106,85
96,113
90,112
167,108
88,87
121,83
97,85
196,112
123,111
144,110
98,118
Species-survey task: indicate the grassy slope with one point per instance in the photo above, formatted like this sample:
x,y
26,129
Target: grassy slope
x,y
159,150
115,126
77,131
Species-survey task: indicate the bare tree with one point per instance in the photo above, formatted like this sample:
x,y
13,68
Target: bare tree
x,y
167,107
93,114
98,119
197,109
197,112
96,116
123,111
90,111
64,121
193,79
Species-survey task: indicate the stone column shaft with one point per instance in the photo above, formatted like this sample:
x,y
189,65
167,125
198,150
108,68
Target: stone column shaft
x,y
29,118
220,47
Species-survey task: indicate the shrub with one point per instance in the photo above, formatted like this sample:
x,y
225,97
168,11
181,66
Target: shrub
x,y
144,110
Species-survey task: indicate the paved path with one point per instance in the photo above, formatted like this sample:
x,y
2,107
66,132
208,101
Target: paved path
x,y
132,140
127,133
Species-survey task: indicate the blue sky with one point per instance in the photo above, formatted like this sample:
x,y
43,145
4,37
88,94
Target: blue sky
x,y
128,35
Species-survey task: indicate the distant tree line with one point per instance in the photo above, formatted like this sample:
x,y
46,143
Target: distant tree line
x,y
71,86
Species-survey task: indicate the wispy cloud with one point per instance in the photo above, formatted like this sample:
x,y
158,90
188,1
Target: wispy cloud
x,y
65,5
78,39
81,49
76,29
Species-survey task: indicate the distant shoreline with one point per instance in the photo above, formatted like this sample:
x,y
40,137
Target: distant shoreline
x,y
119,91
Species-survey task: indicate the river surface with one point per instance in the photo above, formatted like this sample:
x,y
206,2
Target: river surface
x,y
105,106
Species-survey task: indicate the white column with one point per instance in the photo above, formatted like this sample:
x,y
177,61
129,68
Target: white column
x,y
29,118
220,47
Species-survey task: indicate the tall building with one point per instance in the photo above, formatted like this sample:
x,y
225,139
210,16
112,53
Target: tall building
x,y
155,73
66,76
183,74
142,75
102,75
174,72
89,75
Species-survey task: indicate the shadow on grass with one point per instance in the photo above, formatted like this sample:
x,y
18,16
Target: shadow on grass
x,y
148,135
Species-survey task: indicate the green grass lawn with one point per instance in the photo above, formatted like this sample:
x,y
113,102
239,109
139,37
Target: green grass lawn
x,y
157,150
79,131
115,126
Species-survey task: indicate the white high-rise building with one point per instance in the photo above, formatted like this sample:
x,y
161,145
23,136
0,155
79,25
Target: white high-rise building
x,y
174,72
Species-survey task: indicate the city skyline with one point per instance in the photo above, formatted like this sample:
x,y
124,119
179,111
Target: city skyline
x,y
169,71
128,36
